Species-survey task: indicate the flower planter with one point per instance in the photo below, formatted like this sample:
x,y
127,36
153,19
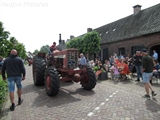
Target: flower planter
x,y
103,76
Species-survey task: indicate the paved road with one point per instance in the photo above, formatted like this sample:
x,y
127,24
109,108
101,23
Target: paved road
x,y
108,101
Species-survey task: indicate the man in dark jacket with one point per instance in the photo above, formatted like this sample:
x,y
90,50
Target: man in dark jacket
x,y
147,69
14,67
138,64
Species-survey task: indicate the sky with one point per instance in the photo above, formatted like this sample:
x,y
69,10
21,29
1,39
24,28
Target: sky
x,y
36,23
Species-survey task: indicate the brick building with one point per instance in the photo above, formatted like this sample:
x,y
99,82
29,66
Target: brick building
x,y
134,32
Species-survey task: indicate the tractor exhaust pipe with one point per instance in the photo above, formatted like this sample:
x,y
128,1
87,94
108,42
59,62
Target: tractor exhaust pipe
x,y
59,36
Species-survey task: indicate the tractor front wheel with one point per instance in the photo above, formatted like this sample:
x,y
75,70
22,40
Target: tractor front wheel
x,y
38,69
90,80
52,81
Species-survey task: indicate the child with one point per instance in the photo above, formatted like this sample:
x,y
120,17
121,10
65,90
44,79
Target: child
x,y
115,72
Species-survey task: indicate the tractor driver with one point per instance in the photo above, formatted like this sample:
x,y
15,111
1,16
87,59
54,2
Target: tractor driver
x,y
53,47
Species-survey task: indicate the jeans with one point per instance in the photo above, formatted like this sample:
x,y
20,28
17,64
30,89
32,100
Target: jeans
x,y
12,81
139,71
147,77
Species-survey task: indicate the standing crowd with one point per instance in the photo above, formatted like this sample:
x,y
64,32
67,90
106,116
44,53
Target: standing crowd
x,y
120,67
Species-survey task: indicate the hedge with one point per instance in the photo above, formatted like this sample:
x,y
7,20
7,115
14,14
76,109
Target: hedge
x,y
3,92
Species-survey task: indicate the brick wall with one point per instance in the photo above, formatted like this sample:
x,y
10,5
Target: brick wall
x,y
147,40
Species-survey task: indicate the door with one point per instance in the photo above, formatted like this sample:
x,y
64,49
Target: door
x,y
105,55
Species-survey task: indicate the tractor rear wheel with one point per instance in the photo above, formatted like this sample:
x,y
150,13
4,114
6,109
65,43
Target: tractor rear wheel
x,y
90,80
38,67
52,81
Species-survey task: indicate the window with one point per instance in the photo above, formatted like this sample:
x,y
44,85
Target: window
x,y
122,51
136,48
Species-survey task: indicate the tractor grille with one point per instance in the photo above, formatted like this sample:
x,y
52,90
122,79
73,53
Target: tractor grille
x,y
72,59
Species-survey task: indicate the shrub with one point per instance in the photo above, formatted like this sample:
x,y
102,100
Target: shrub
x,y
3,92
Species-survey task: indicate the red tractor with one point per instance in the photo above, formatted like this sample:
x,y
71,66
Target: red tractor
x,y
61,66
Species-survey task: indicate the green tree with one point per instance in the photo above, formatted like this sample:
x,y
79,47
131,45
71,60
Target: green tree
x,y
36,52
13,41
74,43
3,40
21,50
14,44
91,43
7,45
45,49
4,49
88,44
3,34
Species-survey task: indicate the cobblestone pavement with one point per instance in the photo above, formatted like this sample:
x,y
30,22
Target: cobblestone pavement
x,y
109,100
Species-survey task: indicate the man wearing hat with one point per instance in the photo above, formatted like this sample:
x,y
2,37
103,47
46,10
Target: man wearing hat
x,y
147,69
